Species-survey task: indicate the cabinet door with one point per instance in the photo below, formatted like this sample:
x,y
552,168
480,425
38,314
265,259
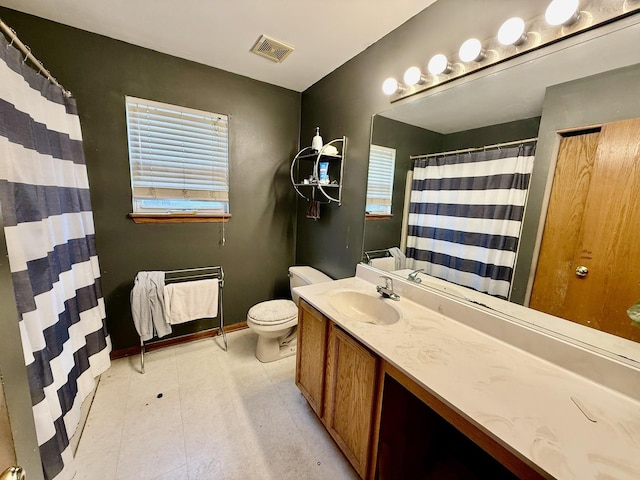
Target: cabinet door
x,y
350,396
311,354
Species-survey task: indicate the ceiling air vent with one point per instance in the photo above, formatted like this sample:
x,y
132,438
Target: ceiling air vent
x,y
272,49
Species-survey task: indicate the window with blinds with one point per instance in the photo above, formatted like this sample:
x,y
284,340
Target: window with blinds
x,y
382,162
179,158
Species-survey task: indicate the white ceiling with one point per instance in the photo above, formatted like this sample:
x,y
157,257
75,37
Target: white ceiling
x,y
220,33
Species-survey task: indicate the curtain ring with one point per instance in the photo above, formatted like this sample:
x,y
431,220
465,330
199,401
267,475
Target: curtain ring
x,y
26,55
13,37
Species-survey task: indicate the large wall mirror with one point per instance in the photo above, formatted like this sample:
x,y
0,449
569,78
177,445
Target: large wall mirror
x,y
567,95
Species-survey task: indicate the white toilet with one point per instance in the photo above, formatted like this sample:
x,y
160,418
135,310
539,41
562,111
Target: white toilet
x,y
275,321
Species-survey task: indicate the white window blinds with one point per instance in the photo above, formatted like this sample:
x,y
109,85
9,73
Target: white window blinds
x,y
179,158
382,161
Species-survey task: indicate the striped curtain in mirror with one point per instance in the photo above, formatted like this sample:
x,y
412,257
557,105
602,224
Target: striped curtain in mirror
x,y
466,215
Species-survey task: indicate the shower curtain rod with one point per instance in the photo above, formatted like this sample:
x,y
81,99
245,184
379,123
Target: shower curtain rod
x,y
13,36
473,149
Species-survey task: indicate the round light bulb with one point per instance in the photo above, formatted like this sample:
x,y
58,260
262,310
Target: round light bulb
x,y
561,12
390,86
512,32
470,50
438,64
412,76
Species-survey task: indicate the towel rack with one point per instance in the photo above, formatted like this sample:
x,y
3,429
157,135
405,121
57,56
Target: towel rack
x,y
371,254
194,274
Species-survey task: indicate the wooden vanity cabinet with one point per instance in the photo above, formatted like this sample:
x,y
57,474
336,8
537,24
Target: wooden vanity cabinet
x,y
350,396
311,355
386,424
338,377
419,436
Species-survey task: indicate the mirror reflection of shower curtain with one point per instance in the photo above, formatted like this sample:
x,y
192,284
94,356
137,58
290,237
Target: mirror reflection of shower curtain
x,y
48,226
465,216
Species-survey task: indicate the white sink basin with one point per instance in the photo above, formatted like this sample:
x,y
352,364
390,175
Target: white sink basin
x,y
364,308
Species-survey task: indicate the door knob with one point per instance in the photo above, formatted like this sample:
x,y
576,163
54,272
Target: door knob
x,y
13,473
582,271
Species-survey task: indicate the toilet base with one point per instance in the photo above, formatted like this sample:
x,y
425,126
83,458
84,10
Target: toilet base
x,y
272,349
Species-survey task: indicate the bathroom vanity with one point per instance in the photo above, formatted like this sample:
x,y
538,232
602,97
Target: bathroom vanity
x,y
409,389
338,376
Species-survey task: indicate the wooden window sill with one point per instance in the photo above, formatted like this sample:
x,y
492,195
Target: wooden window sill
x,y
378,216
178,218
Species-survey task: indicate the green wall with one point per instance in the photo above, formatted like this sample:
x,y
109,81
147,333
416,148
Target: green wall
x,y
267,125
407,140
344,102
264,132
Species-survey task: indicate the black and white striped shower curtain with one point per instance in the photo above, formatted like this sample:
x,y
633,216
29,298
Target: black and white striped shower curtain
x,y
48,224
466,214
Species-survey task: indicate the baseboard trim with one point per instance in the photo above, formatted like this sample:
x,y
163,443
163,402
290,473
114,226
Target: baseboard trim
x,y
168,342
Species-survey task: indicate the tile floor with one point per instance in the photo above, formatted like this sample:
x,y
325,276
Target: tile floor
x,y
222,415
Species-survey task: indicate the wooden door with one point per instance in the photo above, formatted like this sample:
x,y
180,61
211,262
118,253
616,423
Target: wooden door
x,y
310,355
350,397
593,221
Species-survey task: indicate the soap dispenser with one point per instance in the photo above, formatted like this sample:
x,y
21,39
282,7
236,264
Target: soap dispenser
x,y
316,143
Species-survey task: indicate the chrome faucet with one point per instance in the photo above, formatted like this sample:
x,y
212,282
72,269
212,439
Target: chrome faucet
x,y
387,290
413,276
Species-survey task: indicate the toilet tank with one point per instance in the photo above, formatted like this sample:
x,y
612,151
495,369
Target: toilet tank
x,y
300,276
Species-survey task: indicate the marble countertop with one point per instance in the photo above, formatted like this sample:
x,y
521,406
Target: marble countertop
x,y
569,425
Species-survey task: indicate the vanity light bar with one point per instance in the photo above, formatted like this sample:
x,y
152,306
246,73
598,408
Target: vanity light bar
x,y
413,76
562,12
562,18
439,64
512,32
391,86
471,51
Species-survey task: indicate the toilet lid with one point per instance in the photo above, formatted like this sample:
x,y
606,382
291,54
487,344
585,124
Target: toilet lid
x,y
273,311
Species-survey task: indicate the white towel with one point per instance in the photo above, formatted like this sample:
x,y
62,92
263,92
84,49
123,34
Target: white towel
x,y
186,301
385,263
399,256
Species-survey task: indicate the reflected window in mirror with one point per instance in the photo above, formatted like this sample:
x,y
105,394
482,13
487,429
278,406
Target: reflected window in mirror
x,y
382,162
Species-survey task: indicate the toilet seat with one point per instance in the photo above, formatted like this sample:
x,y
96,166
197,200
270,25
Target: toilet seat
x,y
275,322
273,312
